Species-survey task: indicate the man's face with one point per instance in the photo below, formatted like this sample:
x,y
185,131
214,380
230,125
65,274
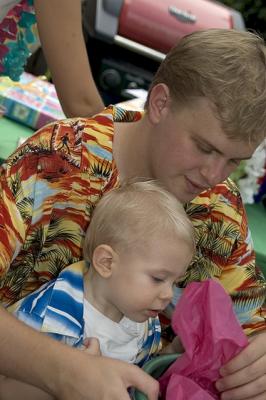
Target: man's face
x,y
190,153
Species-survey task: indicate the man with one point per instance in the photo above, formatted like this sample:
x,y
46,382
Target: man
x,y
204,114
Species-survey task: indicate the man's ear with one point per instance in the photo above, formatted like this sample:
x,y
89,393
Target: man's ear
x,y
159,101
103,259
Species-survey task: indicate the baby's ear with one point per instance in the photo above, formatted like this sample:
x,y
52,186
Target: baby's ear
x,y
103,259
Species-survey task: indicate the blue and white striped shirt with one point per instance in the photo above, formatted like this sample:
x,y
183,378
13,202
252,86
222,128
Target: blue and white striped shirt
x,y
56,309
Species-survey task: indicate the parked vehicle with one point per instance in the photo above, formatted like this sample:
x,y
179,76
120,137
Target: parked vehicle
x,y
127,39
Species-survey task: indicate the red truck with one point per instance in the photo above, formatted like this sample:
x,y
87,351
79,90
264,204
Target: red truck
x,y
127,39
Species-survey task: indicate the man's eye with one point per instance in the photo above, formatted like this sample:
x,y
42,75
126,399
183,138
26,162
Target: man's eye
x,y
204,150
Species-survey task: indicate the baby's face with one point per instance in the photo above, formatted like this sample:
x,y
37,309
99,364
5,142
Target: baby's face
x,y
142,284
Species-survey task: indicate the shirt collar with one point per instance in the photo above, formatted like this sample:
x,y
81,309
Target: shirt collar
x,y
64,311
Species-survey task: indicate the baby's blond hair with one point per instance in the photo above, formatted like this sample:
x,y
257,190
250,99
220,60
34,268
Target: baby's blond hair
x,y
229,68
129,217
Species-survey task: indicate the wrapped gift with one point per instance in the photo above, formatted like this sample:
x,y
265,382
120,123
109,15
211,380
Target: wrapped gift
x,y
31,101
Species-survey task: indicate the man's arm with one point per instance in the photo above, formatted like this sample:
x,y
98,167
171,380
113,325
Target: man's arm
x,y
60,28
226,252
64,372
243,280
244,377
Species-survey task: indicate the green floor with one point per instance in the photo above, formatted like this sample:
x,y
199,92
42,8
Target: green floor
x,y
257,223
11,132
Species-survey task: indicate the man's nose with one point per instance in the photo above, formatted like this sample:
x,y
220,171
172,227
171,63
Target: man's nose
x,y
215,171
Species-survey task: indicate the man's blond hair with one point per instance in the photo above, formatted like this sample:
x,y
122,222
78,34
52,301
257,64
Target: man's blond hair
x,y
229,68
131,216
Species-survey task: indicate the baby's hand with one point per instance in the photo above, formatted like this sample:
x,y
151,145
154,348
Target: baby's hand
x,y
174,347
92,346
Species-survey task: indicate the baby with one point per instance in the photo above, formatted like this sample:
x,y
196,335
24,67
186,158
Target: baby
x,y
138,244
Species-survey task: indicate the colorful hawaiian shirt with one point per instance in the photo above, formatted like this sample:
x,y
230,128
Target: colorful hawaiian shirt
x,y
49,187
57,310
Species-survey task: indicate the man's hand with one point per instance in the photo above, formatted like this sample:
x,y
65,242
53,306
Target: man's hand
x,y
174,347
244,377
90,377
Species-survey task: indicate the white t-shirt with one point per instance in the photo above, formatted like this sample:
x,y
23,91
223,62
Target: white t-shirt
x,y
122,340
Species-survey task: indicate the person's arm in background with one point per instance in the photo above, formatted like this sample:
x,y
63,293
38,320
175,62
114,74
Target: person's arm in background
x,y
60,29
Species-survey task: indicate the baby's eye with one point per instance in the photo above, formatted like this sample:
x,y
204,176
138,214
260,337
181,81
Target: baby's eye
x,y
157,280
235,162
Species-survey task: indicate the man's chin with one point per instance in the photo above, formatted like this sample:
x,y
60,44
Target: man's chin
x,y
183,195
186,198
190,198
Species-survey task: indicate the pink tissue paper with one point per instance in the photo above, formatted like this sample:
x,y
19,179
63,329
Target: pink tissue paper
x,y
211,335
